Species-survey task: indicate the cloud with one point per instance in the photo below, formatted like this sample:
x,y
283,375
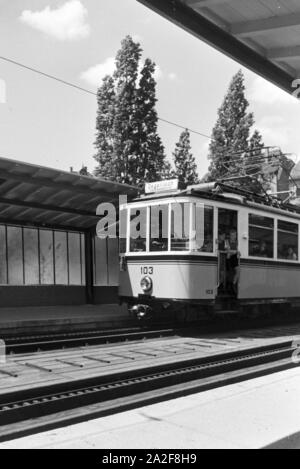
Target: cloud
x,y
94,75
2,91
274,130
264,92
66,23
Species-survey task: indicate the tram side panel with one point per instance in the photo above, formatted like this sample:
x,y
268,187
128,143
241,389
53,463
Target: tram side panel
x,y
171,279
267,280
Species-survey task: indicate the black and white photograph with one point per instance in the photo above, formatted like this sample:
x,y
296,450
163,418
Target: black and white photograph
x,y
149,228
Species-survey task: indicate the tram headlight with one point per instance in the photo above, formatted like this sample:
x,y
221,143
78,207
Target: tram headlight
x,y
146,284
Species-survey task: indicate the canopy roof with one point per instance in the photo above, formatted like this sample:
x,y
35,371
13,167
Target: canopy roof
x,y
42,196
263,35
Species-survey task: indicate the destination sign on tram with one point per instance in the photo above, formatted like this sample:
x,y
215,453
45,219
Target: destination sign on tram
x,y
161,186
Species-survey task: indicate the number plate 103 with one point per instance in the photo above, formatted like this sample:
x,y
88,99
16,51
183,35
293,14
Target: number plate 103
x,y
147,270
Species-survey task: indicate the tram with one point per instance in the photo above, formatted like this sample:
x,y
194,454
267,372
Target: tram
x,y
208,249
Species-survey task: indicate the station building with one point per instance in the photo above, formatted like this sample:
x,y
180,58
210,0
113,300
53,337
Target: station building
x,y
49,252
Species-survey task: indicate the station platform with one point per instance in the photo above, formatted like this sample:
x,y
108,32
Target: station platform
x,y
16,321
255,414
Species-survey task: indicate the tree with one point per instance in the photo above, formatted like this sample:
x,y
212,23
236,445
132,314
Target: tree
x,y
84,171
105,132
125,126
231,132
254,162
256,143
151,162
129,149
185,165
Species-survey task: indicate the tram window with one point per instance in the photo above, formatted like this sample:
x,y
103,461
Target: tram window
x,y
180,226
261,236
204,228
159,220
288,234
138,229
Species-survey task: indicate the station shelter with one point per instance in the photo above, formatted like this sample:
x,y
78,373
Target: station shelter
x,y
49,252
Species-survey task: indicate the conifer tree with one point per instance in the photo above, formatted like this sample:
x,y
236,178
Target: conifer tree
x,y
231,132
151,160
129,149
254,164
125,126
105,130
185,165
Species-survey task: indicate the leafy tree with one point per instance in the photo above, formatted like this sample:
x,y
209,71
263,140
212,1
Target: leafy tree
x,y
129,149
231,132
256,143
185,165
84,171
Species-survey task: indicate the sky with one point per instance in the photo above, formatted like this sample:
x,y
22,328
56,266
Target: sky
x,y
47,123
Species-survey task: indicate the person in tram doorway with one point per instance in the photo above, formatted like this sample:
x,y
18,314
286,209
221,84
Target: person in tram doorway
x,y
233,264
222,249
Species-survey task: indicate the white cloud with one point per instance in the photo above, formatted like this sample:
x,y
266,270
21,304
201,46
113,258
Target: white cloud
x,y
94,75
274,130
66,23
2,91
264,92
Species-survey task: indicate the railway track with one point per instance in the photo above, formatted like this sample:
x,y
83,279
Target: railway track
x,y
51,406
68,339
29,344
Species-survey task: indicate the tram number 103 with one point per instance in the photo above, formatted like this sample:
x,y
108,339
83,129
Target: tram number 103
x,y
147,270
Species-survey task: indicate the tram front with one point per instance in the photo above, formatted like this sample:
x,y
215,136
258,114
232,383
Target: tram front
x,y
168,258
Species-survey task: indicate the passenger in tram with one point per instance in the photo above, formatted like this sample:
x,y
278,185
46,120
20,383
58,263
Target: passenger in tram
x,y
222,242
233,256
138,245
207,245
222,257
291,255
263,251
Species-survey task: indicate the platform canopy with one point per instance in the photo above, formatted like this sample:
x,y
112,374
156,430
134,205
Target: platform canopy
x,y
263,35
36,195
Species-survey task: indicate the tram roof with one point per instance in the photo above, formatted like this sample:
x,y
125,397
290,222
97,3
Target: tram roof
x,y
261,35
226,193
38,195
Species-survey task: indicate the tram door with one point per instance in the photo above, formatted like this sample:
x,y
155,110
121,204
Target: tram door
x,y
227,245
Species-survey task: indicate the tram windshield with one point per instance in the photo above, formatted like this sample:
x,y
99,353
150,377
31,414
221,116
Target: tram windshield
x,y
138,229
172,227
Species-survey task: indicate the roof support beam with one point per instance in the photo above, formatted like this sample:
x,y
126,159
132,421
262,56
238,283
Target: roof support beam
x,y
26,223
205,3
192,21
284,52
45,207
255,27
59,186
